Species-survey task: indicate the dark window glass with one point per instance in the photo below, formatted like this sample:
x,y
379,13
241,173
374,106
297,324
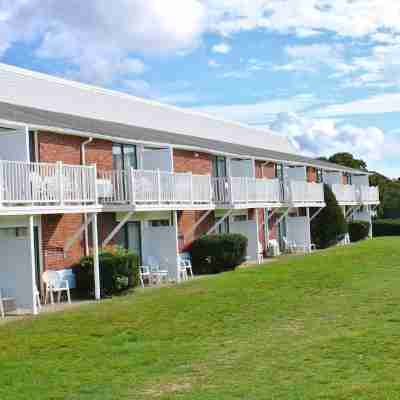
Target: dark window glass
x,y
124,156
219,167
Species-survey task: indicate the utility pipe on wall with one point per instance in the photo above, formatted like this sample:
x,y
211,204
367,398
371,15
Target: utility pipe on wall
x,y
85,216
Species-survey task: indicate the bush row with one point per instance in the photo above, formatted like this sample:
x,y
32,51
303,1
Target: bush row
x,y
119,271
386,227
218,253
359,230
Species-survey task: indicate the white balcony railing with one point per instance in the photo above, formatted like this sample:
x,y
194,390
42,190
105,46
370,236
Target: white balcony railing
x,y
153,188
304,192
24,183
368,194
345,193
247,191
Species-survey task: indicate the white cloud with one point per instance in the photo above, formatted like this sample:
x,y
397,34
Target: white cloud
x,y
213,64
324,137
94,35
259,113
379,104
221,48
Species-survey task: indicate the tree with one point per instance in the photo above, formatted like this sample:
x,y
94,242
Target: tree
x,y
329,226
348,160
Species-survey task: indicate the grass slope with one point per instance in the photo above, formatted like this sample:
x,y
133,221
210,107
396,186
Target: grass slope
x,y
325,326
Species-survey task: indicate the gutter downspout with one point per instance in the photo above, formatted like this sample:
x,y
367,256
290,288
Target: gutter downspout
x,y
85,216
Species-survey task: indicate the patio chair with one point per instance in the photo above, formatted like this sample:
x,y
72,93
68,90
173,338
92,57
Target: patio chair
x,y
144,275
260,253
54,284
185,266
7,302
290,245
273,248
157,273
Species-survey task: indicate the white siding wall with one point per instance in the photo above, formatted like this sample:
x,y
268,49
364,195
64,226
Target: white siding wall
x,y
296,173
332,178
298,230
14,146
161,243
248,229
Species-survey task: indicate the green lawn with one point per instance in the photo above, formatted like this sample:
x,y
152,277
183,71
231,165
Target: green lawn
x,y
325,326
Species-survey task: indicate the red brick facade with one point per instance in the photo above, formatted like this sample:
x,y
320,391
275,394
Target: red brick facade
x,y
58,228
200,164
311,174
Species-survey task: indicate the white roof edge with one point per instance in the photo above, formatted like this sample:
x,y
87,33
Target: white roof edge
x,y
122,95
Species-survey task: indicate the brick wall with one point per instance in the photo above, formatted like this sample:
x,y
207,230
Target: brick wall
x,y
193,161
57,229
265,170
200,164
311,174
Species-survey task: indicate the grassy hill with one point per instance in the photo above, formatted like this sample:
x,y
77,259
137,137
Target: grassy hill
x,y
324,326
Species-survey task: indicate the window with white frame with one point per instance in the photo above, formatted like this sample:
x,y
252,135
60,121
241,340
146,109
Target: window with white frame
x,y
14,233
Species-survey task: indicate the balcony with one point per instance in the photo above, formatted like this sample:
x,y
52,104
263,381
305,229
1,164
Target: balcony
x,y
43,185
345,194
368,195
247,192
353,195
304,194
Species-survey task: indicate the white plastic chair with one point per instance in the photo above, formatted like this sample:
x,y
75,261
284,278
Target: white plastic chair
x,y
260,253
6,298
144,275
290,246
157,273
54,284
273,248
185,267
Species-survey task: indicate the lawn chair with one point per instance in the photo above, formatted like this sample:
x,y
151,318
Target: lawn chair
x,y
260,253
144,275
185,266
7,302
157,274
54,284
290,245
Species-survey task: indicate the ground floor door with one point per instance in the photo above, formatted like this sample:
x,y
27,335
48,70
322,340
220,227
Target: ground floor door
x,y
134,238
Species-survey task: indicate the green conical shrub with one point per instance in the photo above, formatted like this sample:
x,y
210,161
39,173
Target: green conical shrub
x,y
329,226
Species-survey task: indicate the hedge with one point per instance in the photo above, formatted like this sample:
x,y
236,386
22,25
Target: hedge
x,y
119,271
218,253
386,227
358,230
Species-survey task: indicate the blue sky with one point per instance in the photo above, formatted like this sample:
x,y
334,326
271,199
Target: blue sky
x,y
325,73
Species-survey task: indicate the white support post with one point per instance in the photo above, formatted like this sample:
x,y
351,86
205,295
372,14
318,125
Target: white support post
x,y
217,224
60,167
131,175
96,265
308,229
33,264
231,194
96,189
191,189
159,186
175,221
266,226
247,190
211,189
117,228
1,183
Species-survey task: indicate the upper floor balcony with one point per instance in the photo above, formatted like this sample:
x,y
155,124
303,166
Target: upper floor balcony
x,y
45,186
355,194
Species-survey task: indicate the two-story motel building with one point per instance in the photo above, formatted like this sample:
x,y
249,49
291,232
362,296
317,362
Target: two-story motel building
x,y
82,167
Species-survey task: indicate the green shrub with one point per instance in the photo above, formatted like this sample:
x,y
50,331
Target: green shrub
x,y
119,271
329,226
386,227
218,253
359,230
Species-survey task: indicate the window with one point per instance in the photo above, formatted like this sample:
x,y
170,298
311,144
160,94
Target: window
x,y
319,176
224,226
219,167
157,223
13,233
124,156
240,218
279,171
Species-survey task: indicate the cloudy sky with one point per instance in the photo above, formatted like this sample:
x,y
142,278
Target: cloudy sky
x,y
324,72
